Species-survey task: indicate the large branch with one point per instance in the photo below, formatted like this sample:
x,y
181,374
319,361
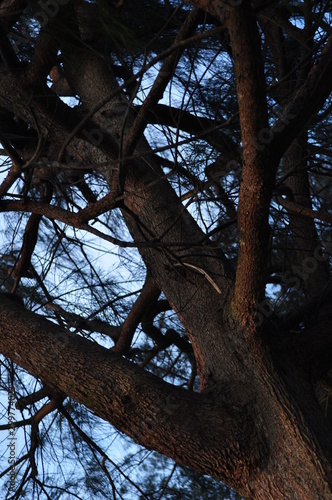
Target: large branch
x,y
298,209
220,433
257,181
257,175
9,12
133,400
262,147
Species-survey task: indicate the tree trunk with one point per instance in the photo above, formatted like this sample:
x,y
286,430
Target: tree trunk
x,y
256,424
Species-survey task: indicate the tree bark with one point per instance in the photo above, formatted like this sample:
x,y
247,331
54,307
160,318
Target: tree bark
x,y
248,431
256,424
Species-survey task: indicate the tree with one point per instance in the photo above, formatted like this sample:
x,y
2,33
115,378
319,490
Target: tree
x,y
193,142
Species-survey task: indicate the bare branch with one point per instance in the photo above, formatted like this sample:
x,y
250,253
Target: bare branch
x,y
298,209
148,295
306,103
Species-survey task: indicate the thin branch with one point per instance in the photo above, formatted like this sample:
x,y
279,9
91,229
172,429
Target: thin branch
x,y
149,294
23,402
193,124
93,445
30,237
16,168
18,461
73,219
297,209
162,79
16,425
79,322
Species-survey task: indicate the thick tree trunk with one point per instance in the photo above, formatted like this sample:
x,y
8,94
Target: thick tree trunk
x,y
256,424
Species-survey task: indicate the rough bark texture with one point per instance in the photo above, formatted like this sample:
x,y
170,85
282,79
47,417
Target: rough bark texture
x,y
256,424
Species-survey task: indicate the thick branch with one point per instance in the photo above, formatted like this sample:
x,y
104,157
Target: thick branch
x,y
257,176
136,402
154,213
9,12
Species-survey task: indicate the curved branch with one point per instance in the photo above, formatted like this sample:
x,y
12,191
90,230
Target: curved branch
x,y
148,295
30,236
74,219
186,121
